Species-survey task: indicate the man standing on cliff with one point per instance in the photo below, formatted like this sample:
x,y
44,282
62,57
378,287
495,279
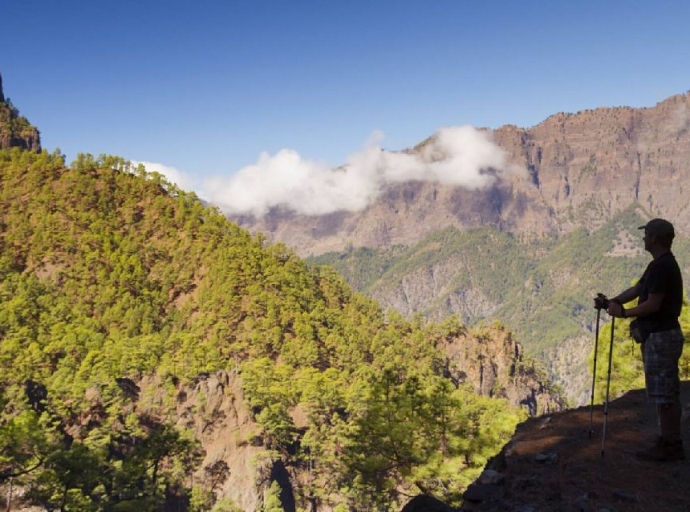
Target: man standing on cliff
x,y
660,299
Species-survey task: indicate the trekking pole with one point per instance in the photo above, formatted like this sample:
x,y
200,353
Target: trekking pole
x,y
608,385
594,372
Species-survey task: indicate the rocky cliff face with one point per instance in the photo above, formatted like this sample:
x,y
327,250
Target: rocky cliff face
x,y
493,362
213,408
599,161
15,130
405,214
581,168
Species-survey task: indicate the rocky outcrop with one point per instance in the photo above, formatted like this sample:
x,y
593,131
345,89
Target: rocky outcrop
x,y
213,408
580,168
494,363
29,141
235,464
15,130
238,466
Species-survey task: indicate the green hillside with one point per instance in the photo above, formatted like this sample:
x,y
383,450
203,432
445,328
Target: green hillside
x,y
541,289
109,275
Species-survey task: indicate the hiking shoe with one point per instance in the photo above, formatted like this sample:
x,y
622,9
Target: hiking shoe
x,y
664,450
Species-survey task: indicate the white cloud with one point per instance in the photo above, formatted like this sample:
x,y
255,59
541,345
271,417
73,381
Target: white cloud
x,y
287,179
173,175
459,156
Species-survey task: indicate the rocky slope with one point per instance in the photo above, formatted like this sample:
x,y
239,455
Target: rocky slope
x,y
495,364
554,464
581,168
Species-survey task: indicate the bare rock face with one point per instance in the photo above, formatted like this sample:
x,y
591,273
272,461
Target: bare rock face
x,y
581,169
600,161
30,142
215,411
212,407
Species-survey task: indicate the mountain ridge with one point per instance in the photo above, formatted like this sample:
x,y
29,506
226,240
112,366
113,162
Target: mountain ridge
x,y
594,163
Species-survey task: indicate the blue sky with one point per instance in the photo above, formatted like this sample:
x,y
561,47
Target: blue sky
x,y
206,87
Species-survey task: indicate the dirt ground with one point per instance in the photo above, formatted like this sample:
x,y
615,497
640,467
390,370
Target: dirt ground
x,y
554,464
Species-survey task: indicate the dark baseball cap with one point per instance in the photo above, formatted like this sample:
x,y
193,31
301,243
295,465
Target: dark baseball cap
x,y
659,227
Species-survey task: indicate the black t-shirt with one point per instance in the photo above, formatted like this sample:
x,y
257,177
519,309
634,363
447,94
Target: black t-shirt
x,y
662,275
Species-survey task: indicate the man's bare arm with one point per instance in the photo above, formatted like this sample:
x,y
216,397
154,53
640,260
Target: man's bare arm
x,y
630,294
